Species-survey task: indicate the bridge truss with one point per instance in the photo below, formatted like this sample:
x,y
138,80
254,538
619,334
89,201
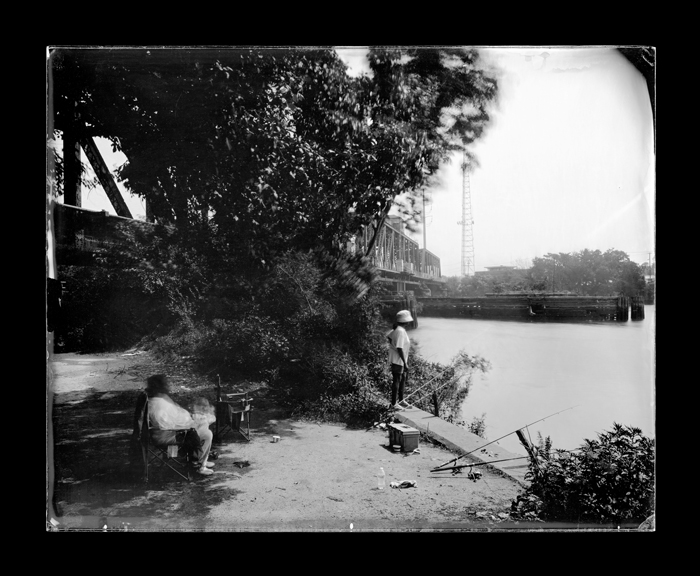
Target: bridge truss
x,y
399,259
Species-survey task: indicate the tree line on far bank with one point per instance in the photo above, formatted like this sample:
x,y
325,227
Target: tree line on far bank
x,y
583,273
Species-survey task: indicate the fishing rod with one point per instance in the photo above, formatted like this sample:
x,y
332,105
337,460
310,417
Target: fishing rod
x,y
428,382
477,464
441,386
486,463
497,439
408,405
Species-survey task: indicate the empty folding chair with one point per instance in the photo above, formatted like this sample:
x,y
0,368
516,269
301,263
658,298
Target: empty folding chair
x,y
232,413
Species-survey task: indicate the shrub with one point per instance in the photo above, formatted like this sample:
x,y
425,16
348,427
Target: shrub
x,y
106,309
332,385
607,481
250,345
478,426
355,408
448,384
308,325
183,340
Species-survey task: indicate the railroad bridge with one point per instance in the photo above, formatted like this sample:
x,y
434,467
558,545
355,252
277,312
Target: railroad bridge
x,y
403,266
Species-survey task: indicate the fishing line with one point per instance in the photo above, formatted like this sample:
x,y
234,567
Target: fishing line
x,y
483,479
497,439
428,382
439,387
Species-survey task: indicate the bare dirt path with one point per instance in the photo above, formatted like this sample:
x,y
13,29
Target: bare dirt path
x,y
318,477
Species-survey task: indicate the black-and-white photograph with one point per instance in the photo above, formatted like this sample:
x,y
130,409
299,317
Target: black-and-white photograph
x,y
350,288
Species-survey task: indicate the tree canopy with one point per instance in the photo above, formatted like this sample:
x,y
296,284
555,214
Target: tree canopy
x,y
252,151
586,273
590,272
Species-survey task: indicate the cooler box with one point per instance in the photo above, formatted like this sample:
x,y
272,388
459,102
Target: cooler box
x,y
403,435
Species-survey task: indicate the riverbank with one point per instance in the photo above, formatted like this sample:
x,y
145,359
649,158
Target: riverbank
x,y
318,477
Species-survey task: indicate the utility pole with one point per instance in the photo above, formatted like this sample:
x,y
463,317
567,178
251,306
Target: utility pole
x,y
468,266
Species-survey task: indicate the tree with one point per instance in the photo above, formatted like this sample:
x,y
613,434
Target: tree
x,y
452,285
588,272
252,151
630,280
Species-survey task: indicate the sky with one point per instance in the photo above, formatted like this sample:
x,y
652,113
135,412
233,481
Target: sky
x,y
566,164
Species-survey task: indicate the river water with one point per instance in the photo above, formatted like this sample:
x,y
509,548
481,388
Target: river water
x,y
605,369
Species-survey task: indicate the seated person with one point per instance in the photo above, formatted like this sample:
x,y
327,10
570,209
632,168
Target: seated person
x,y
203,412
166,417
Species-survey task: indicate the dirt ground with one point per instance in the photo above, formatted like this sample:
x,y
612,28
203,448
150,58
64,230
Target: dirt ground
x,y
318,477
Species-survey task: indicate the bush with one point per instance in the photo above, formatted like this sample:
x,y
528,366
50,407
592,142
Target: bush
x,y
310,335
478,426
253,344
184,340
606,481
106,309
448,384
357,408
333,385
309,326
348,379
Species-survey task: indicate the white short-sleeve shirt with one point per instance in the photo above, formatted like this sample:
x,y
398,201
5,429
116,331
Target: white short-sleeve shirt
x,y
164,414
398,339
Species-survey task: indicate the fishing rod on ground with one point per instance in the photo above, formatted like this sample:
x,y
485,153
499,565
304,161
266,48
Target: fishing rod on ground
x,y
489,462
442,466
478,464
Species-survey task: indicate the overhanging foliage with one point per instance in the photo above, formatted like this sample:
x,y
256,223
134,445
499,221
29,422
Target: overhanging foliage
x,y
264,149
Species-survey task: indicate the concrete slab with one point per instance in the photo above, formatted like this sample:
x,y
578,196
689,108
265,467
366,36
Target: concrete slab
x,y
462,441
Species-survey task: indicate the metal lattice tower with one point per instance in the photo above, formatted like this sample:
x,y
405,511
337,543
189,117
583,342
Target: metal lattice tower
x,y
468,266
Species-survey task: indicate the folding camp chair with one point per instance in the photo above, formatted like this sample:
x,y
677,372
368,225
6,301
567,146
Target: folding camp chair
x,y
232,413
173,455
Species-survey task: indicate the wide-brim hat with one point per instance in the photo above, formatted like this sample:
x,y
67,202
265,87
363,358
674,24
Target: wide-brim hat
x,y
404,316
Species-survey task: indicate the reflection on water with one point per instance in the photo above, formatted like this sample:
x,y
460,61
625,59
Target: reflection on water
x,y
606,370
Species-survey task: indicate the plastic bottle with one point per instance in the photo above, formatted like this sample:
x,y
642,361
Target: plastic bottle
x,y
381,479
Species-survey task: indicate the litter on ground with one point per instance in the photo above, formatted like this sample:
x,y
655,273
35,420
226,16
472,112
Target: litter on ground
x,y
403,484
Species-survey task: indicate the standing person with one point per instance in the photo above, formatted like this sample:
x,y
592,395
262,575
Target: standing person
x,y
166,416
399,344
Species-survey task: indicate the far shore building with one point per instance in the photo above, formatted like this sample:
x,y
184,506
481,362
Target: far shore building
x,y
495,271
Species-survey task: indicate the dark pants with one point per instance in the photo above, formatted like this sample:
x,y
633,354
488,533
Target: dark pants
x,y
398,382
